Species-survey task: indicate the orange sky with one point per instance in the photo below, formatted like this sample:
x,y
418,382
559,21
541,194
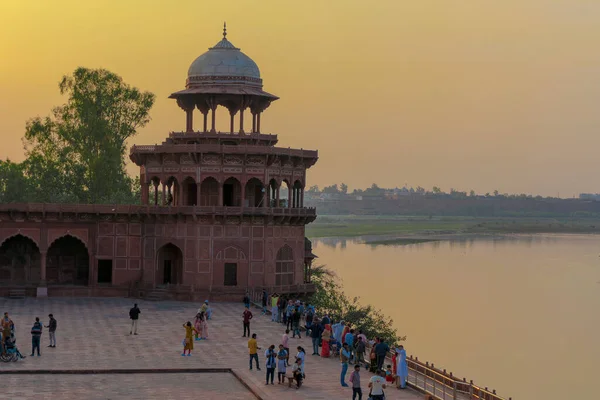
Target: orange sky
x,y
461,94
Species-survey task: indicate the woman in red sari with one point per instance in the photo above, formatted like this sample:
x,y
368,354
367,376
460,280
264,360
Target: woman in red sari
x,y
325,338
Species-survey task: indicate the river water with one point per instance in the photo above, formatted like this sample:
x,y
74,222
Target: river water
x,y
519,314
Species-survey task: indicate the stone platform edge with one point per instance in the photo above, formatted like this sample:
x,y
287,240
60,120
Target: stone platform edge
x,y
132,371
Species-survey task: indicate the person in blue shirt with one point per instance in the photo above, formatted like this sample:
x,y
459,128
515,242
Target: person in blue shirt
x,y
344,358
349,340
337,332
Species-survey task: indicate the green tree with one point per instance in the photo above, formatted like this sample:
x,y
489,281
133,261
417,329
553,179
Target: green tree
x,y
343,188
436,190
14,185
78,153
333,189
472,193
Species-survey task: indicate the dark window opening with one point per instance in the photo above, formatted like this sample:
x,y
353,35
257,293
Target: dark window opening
x,y
167,269
228,195
105,271
230,274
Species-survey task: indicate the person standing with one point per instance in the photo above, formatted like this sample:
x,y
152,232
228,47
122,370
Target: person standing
x,y
265,298
253,351
337,333
315,335
355,380
325,339
361,347
270,363
204,326
188,342
296,324
198,326
282,360
301,356
247,316
349,340
36,334
401,367
52,330
134,314
274,313
6,330
247,300
285,341
381,350
344,357
377,384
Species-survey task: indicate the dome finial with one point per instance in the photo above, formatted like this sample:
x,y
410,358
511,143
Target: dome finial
x,y
225,30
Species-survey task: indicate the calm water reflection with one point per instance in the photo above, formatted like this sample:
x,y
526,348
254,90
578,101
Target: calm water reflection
x,y
518,314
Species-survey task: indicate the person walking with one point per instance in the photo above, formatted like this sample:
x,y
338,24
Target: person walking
x,y
355,380
271,363
134,314
253,351
52,330
344,357
401,367
274,301
204,325
381,350
247,316
188,342
315,335
36,334
198,326
301,356
377,384
282,360
349,340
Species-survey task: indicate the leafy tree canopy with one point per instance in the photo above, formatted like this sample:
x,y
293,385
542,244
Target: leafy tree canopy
x,y
77,154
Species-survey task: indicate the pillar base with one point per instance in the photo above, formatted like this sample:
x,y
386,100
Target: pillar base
x,y
42,291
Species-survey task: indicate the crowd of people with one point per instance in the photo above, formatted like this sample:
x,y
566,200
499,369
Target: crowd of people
x,y
329,339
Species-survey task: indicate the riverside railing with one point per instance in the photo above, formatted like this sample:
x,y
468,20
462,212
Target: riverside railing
x,y
442,385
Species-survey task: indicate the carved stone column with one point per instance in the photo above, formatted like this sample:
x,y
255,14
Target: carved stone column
x,y
189,120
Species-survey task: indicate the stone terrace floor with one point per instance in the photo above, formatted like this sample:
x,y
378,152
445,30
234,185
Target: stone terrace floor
x,y
93,333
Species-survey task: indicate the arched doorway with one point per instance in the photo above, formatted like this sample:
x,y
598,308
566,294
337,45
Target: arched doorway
x,y
169,265
209,192
284,266
20,261
172,195
68,262
232,193
190,192
254,193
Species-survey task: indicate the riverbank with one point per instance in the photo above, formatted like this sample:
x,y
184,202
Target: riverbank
x,y
428,229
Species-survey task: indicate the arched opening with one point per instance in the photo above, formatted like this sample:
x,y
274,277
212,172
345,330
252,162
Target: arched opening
x,y
273,193
285,194
169,265
172,192
254,193
68,262
209,192
284,266
154,191
297,195
232,193
20,261
190,192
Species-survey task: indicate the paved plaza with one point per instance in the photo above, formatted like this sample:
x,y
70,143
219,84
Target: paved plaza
x,y
93,333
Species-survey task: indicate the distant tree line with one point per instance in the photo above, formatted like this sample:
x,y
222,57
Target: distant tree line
x,y
77,153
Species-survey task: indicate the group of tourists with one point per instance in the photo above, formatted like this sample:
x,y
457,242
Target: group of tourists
x,y
328,340
197,331
8,341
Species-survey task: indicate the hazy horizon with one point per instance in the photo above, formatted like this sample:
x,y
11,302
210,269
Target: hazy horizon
x,y
465,95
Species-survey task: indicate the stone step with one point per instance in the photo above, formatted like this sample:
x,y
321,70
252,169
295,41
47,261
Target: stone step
x,y
16,293
156,295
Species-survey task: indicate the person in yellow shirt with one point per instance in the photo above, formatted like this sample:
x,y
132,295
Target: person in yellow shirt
x,y
274,310
253,351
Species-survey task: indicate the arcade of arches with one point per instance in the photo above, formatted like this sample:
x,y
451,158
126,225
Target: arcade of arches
x,y
67,262
229,193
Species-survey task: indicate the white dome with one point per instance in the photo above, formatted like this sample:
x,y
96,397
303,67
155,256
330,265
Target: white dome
x,y
224,60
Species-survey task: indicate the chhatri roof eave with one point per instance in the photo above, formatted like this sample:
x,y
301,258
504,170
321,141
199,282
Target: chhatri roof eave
x,y
224,90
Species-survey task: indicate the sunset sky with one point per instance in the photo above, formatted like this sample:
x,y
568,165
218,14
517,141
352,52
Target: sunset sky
x,y
460,94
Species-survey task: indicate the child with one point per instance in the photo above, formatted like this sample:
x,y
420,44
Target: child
x,y
298,372
188,342
389,375
355,380
282,357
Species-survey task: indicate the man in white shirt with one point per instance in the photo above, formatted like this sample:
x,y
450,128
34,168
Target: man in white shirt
x,y
377,384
